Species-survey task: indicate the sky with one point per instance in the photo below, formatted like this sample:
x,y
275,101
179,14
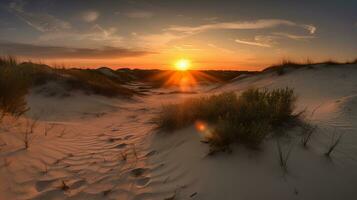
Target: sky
x,y
212,34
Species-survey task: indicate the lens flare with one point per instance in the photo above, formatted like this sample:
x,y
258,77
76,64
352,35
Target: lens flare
x,y
203,128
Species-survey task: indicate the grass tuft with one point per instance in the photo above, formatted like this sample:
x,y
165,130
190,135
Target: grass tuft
x,y
13,88
246,119
308,131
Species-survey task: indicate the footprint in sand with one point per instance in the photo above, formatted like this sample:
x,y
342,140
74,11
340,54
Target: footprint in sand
x,y
142,182
138,171
78,184
122,145
111,140
42,185
151,153
128,137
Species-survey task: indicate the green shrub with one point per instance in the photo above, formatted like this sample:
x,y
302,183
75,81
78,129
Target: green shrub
x,y
246,119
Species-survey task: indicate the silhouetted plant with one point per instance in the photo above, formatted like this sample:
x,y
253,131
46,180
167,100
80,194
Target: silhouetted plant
x,y
13,88
246,119
308,130
283,156
335,140
29,131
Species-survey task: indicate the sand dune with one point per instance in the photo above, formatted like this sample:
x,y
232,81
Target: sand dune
x,y
102,148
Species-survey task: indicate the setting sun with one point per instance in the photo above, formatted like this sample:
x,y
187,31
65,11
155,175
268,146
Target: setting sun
x,y
182,64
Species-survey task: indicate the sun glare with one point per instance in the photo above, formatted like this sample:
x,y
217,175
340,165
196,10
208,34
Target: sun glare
x,y
182,64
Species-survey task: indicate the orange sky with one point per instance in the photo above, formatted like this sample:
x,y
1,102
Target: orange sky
x,y
234,34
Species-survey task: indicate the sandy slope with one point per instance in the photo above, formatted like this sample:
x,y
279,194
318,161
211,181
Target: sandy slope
x,y
329,93
83,155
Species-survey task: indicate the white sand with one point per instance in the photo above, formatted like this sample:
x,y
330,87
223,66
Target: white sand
x,y
91,134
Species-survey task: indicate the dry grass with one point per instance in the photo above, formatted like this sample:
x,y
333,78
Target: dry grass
x,y
13,88
283,155
335,140
24,76
93,82
28,134
307,132
246,119
282,68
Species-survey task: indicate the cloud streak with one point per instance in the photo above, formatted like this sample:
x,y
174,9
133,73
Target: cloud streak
x,y
252,43
295,37
97,34
139,14
40,21
50,52
241,25
89,16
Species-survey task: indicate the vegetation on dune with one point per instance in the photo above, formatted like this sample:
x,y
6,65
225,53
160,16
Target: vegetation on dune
x,y
286,64
246,119
28,75
13,88
92,81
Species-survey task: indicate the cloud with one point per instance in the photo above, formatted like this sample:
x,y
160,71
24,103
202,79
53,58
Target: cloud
x,y
310,28
40,21
97,34
139,14
240,25
157,40
271,40
89,16
295,37
252,43
48,52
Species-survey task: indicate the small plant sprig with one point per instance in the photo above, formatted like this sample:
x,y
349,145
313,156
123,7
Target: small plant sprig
x,y
283,157
308,131
29,130
335,140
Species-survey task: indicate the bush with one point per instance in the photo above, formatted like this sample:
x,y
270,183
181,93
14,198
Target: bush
x,y
246,119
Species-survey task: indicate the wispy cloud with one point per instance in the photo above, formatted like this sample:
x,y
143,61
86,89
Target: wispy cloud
x,y
90,16
255,42
272,40
39,51
157,40
139,14
99,34
40,21
295,37
311,28
258,24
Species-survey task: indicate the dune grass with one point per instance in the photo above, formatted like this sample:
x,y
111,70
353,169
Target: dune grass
x,y
89,81
13,88
93,82
285,64
247,119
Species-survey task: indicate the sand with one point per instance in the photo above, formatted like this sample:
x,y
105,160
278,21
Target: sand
x,y
101,148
